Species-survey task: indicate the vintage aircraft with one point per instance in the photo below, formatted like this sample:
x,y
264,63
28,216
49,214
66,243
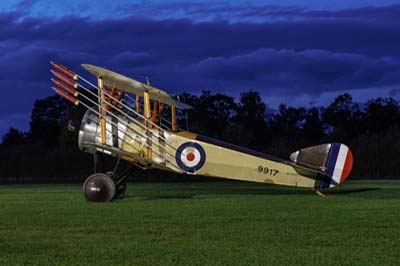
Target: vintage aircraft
x,y
124,119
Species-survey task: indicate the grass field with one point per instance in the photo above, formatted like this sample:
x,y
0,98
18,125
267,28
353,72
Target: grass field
x,y
211,223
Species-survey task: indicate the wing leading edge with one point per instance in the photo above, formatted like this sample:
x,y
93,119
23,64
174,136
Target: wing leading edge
x,y
129,85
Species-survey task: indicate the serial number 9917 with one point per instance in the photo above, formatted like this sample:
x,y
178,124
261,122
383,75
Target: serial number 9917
x,y
267,171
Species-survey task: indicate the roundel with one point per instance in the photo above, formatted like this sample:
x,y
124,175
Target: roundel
x,y
190,156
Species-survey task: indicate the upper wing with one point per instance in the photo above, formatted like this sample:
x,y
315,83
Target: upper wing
x,y
123,83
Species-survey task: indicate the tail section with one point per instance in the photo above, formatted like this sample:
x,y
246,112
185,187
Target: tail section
x,y
339,165
334,161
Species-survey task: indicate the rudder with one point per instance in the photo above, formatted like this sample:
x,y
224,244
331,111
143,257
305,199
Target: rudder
x,y
333,161
339,165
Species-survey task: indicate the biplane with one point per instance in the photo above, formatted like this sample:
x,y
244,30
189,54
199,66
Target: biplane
x,y
126,119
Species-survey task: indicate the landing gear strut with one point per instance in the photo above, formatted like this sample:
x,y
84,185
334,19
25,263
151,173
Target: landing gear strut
x,y
101,187
121,182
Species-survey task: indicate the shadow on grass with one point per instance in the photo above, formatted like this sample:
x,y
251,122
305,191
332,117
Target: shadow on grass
x,y
168,197
194,190
351,191
215,190
368,193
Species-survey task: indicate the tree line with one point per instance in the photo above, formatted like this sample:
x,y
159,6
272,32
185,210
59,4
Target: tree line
x,y
49,152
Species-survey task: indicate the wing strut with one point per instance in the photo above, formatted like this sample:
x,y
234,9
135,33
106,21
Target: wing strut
x,y
102,112
174,120
138,104
147,115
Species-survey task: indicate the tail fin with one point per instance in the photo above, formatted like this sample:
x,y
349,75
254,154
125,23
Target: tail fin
x,y
334,161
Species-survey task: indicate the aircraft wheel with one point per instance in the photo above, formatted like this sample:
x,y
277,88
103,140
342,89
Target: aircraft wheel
x,y
99,187
121,191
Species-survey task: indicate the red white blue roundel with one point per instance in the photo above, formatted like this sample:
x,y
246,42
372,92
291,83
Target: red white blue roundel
x,y
190,156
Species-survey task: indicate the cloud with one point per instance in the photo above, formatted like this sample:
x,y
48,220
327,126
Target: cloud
x,y
132,59
353,49
25,4
296,72
251,12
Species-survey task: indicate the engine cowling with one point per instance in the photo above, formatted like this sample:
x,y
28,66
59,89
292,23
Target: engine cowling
x,y
90,132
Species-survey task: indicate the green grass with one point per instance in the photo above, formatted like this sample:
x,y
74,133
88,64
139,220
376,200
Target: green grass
x,y
212,223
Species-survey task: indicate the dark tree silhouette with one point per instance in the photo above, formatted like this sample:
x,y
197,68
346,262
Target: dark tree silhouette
x,y
344,118
381,114
46,116
250,120
13,137
313,126
289,121
49,151
287,130
212,113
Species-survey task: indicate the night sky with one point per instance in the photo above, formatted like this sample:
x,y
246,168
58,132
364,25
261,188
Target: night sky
x,y
301,53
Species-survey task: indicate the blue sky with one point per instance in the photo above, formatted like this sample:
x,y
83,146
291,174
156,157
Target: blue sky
x,y
300,53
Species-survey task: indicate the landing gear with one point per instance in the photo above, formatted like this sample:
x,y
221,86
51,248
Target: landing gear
x,y
101,187
121,190
121,181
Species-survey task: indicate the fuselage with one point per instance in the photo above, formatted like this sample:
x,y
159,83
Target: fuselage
x,y
185,152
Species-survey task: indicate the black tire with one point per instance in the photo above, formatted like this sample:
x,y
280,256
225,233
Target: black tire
x,y
99,187
121,191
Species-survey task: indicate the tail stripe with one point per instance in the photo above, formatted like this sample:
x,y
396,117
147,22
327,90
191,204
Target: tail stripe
x,y
332,159
340,161
348,165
